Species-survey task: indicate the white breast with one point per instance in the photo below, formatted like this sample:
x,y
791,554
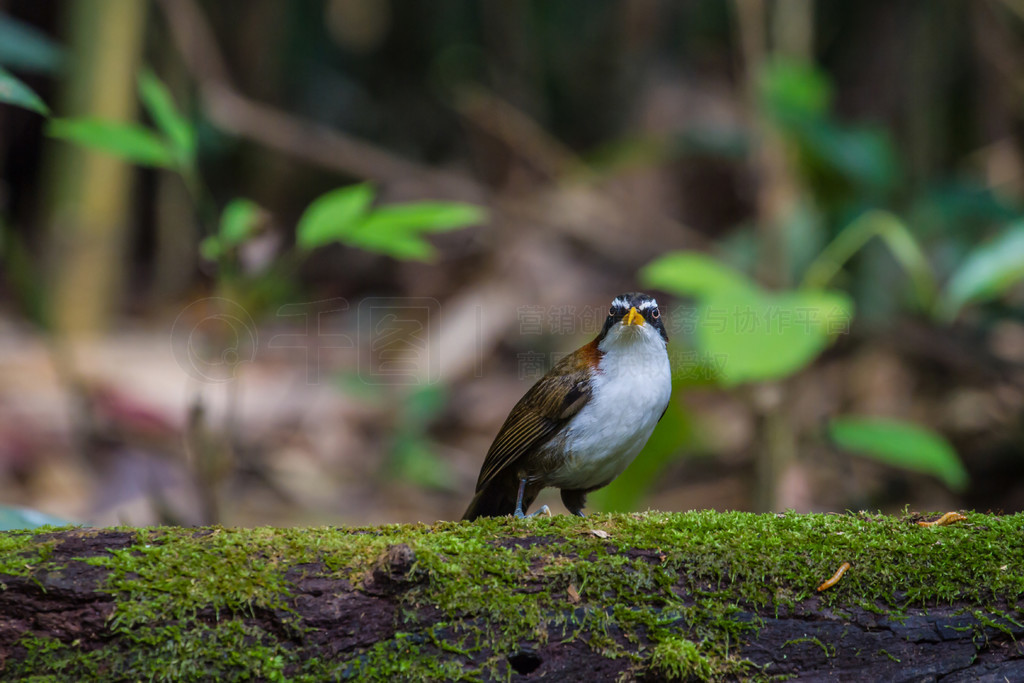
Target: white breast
x,y
630,393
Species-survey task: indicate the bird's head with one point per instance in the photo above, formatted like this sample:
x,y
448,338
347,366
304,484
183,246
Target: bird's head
x,y
634,318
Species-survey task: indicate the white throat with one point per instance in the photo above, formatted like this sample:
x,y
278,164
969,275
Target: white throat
x,y
638,343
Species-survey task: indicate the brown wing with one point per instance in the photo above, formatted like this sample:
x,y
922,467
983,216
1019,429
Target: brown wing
x,y
549,404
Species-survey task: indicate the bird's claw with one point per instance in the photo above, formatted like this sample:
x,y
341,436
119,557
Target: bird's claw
x,y
544,510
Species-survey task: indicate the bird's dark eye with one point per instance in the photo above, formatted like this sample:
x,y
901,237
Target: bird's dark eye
x,y
655,314
611,311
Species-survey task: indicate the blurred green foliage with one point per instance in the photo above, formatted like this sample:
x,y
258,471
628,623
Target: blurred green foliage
x,y
239,222
411,452
838,162
177,130
760,335
12,517
128,141
13,91
847,171
344,215
948,247
902,445
986,272
171,146
25,48
895,235
333,216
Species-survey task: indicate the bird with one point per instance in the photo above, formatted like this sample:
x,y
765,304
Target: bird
x,y
584,421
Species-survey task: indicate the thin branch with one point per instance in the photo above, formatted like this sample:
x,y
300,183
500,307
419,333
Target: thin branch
x,y
518,132
319,145
327,147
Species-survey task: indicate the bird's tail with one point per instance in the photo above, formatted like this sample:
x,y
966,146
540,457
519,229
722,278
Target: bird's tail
x,y
497,499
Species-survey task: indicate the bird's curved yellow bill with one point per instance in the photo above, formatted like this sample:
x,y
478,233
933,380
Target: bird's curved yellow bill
x,y
633,317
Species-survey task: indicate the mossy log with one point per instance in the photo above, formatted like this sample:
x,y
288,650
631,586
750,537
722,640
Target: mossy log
x,y
653,596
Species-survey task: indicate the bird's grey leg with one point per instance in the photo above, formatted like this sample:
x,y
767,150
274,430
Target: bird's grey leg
x,y
519,504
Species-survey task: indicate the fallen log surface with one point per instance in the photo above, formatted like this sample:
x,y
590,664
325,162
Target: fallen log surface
x,y
654,596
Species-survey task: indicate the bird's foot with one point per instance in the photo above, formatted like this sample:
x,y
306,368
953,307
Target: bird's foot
x,y
544,510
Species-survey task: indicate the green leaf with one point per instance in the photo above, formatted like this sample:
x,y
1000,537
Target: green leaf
x,y
343,215
690,273
333,216
861,154
13,91
423,217
24,47
908,253
795,96
399,245
127,141
210,248
24,518
900,444
987,272
748,334
793,91
238,221
413,459
897,237
424,404
355,385
959,208
393,230
160,105
756,336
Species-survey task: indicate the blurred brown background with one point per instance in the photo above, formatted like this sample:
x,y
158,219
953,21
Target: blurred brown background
x,y
143,383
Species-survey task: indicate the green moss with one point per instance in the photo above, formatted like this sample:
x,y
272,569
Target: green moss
x,y
192,651
829,652
679,659
184,595
996,620
49,657
172,573
22,551
404,659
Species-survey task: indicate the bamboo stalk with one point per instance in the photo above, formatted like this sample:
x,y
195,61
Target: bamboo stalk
x,y
89,198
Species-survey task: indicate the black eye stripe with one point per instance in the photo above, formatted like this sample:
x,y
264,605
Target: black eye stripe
x,y
646,305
